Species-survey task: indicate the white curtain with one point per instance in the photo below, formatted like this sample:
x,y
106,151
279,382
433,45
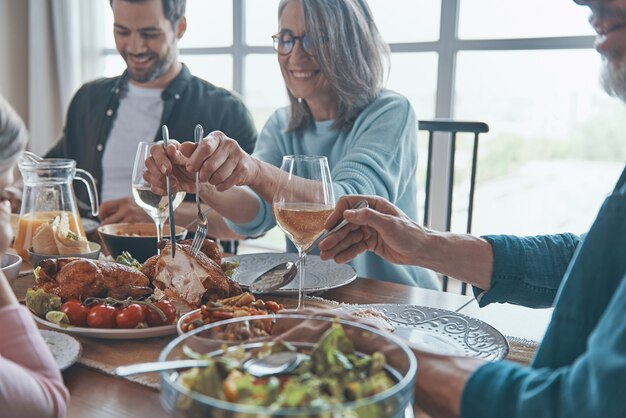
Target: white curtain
x,y
66,40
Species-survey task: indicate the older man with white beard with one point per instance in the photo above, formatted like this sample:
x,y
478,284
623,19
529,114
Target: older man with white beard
x,y
579,369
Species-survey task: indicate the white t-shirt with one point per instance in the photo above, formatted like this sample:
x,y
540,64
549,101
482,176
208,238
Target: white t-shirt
x,y
138,119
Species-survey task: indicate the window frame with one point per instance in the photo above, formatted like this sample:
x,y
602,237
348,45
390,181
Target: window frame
x,y
447,48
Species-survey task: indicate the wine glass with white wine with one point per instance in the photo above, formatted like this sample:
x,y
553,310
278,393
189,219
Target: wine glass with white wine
x,y
302,202
155,205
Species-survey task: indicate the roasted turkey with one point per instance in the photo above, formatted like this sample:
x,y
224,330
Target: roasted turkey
x,y
192,280
80,278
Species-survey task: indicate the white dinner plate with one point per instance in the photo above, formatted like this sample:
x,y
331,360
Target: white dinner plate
x,y
112,333
64,348
442,331
320,275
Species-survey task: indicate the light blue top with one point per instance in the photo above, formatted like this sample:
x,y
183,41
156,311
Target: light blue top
x,y
579,369
378,156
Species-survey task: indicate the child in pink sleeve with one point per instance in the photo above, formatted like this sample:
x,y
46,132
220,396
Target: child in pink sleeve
x,y
31,385
30,382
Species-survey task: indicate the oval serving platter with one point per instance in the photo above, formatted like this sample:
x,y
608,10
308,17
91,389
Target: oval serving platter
x,y
111,333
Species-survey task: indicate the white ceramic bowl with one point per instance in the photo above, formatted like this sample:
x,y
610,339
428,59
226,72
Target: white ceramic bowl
x,y
93,254
11,264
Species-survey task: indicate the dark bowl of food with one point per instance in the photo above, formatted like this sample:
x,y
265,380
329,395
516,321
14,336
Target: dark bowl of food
x,y
93,254
346,369
138,239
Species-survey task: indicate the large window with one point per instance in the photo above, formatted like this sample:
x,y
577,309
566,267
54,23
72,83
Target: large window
x,y
527,68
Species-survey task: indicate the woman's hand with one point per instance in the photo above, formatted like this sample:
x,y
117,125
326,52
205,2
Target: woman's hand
x,y
222,162
382,228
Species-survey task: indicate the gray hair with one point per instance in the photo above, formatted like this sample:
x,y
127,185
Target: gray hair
x,y
173,10
350,52
13,136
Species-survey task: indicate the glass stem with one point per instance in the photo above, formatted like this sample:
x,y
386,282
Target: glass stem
x,y
301,269
158,222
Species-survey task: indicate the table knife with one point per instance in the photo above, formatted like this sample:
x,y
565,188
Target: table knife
x,y
170,198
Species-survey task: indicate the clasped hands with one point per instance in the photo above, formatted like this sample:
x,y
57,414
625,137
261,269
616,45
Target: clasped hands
x,y
218,159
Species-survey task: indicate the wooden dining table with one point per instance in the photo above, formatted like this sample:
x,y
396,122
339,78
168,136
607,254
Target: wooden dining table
x,y
96,394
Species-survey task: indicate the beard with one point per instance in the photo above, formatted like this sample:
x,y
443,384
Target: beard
x,y
613,78
160,67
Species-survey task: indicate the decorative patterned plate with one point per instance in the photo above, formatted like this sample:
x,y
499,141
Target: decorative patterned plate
x,y
320,275
442,331
64,348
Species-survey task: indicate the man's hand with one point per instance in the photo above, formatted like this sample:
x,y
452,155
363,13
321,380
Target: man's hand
x,y
382,228
122,210
440,381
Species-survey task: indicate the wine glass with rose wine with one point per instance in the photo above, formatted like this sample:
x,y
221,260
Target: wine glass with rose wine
x,y
155,205
303,200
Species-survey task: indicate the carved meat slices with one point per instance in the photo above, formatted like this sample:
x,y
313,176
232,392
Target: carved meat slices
x,y
192,280
209,248
79,278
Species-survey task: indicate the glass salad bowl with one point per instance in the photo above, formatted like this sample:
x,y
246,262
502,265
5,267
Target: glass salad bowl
x,y
351,370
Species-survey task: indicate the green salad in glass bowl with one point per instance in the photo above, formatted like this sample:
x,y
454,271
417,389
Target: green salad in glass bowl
x,y
350,370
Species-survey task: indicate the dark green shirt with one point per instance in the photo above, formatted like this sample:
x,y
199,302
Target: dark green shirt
x,y
188,100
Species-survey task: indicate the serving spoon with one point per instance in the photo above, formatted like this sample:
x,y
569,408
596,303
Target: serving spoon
x,y
274,364
282,274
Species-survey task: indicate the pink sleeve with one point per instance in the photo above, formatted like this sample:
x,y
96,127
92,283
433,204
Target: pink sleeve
x,y
30,382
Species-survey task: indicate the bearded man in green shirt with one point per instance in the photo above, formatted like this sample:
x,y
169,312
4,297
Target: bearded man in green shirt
x,y
108,117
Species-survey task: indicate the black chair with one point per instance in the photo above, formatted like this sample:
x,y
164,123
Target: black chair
x,y
452,128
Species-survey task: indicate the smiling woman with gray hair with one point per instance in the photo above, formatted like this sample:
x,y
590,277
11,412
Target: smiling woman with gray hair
x,y
30,382
332,59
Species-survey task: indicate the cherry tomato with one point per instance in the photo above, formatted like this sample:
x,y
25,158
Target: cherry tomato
x,y
130,316
76,312
101,316
154,319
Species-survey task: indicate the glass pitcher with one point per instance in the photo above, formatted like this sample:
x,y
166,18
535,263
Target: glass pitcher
x,y
48,192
